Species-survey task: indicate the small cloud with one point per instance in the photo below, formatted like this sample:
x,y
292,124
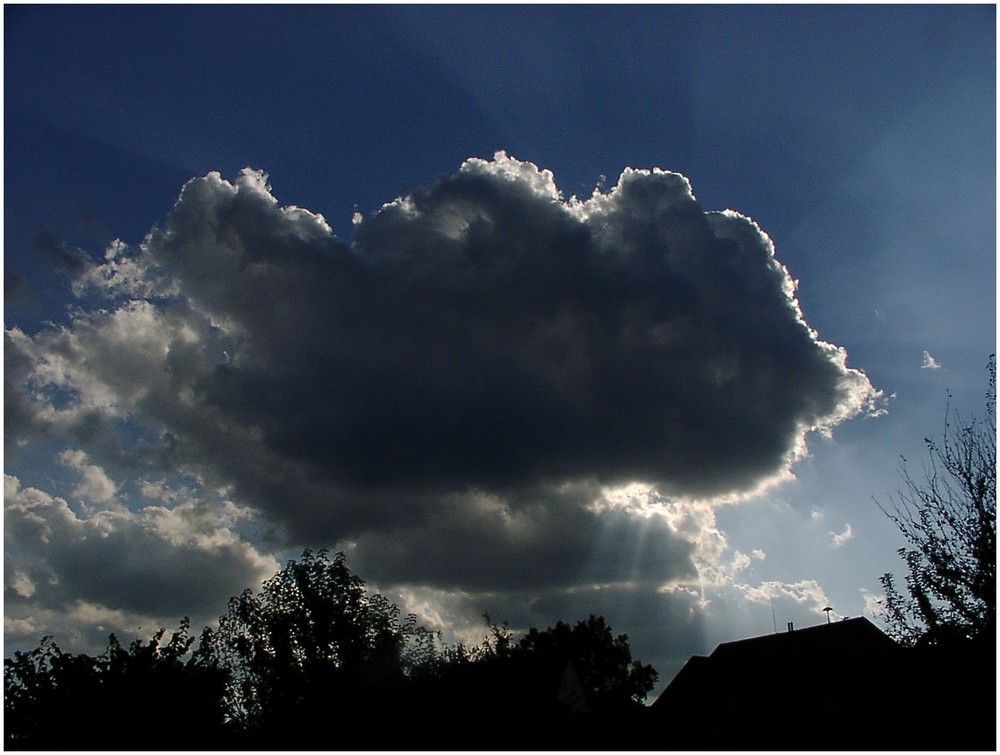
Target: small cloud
x,y
95,484
805,592
840,538
759,554
874,603
740,562
21,584
930,363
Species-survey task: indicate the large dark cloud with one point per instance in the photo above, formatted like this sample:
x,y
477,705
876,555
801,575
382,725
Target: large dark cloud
x,y
449,394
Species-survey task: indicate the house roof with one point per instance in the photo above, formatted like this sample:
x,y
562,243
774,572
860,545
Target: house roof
x,y
846,637
801,661
837,686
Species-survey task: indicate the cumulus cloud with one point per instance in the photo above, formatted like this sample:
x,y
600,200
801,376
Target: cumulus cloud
x,y
806,592
156,562
95,484
483,333
450,396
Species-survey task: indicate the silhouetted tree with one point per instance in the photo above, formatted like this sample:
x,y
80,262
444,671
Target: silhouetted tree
x,y
949,520
299,664
610,679
123,698
312,647
573,687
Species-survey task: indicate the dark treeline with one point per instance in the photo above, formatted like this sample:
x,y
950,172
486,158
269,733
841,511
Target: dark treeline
x,y
315,661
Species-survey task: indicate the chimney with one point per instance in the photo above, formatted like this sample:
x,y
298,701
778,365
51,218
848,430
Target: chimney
x,y
790,627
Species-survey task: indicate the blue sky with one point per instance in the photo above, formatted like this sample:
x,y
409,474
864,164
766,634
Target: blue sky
x,y
493,397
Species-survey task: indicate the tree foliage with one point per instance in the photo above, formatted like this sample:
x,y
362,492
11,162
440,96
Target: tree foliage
x,y
312,638
58,700
299,663
564,687
949,521
610,679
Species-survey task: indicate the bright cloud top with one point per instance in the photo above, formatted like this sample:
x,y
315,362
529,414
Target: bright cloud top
x,y
470,372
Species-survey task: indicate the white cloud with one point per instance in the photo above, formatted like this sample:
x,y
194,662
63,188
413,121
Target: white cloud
x,y
95,485
806,592
839,539
161,491
541,182
741,561
930,363
21,584
874,604
21,628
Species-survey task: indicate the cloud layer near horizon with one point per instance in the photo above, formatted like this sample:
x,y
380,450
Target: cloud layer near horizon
x,y
450,394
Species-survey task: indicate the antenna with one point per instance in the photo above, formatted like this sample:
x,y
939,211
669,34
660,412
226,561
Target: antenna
x,y
827,611
773,620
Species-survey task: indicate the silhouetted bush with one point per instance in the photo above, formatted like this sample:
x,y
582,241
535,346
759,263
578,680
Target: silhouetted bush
x,y
308,661
141,697
563,687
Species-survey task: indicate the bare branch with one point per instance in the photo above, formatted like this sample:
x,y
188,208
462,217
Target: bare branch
x,y
949,520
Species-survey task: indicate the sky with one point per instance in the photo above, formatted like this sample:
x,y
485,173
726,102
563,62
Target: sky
x,y
534,311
